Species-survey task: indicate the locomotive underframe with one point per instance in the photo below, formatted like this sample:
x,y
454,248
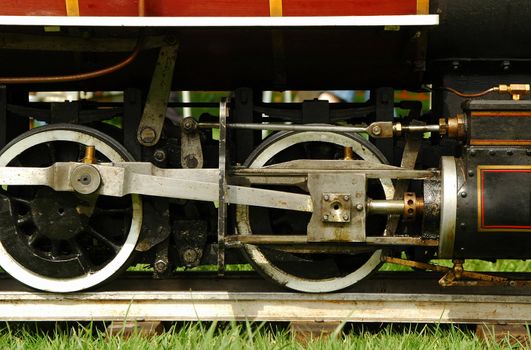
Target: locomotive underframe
x,y
202,196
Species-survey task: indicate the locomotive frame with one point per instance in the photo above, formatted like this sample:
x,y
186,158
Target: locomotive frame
x,y
361,201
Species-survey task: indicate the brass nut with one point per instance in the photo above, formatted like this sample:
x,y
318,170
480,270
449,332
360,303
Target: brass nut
x,y
376,130
457,127
443,127
410,206
397,129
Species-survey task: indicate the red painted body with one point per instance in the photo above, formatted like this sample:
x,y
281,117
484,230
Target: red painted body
x,y
211,7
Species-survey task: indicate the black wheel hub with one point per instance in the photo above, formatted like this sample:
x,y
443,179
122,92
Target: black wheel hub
x,y
56,214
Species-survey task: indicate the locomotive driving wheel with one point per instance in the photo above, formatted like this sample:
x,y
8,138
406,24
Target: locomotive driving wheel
x,y
309,272
64,241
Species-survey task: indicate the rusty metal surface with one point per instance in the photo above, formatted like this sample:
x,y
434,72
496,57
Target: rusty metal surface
x,y
386,297
336,219
302,239
150,127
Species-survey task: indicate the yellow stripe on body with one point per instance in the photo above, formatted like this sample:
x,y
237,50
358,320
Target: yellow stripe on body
x,y
275,8
72,7
423,7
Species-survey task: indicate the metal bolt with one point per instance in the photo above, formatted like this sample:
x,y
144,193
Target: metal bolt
x,y
376,130
325,217
345,217
326,197
492,152
148,135
346,198
506,65
464,194
188,124
191,162
471,173
473,153
528,152
159,155
160,265
85,179
190,256
359,207
462,225
455,65
509,153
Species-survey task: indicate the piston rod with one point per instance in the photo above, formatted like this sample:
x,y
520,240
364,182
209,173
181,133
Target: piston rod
x,y
376,130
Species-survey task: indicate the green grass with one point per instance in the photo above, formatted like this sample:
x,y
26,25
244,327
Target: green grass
x,y
249,336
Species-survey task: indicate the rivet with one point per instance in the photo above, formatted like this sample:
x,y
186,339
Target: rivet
x,y
509,153
473,153
359,207
471,173
326,197
464,194
325,217
462,225
345,217
346,198
492,152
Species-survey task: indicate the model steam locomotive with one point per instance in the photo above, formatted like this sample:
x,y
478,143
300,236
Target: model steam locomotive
x,y
315,195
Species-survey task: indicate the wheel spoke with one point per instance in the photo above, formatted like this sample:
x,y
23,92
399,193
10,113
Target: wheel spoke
x,y
34,237
100,211
103,239
51,151
56,249
19,200
24,219
81,255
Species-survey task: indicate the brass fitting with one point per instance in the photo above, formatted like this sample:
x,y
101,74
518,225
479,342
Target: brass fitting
x,y
455,127
348,153
90,155
412,206
515,90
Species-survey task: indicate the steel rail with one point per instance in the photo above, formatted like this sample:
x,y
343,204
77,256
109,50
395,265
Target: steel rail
x,y
386,297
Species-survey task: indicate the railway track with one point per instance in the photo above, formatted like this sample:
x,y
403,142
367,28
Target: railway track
x,y
385,297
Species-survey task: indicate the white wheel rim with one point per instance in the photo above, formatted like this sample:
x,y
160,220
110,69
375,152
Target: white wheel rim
x,y
89,280
280,276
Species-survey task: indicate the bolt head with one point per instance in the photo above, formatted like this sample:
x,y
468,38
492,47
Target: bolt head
x,y
326,197
464,194
190,256
160,266
346,198
148,135
345,217
359,207
325,217
159,155
376,130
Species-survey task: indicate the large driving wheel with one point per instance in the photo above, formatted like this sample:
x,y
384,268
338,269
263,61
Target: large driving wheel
x,y
309,272
64,241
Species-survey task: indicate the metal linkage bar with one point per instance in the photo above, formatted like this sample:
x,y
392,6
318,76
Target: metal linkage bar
x,y
222,182
302,239
120,179
376,130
